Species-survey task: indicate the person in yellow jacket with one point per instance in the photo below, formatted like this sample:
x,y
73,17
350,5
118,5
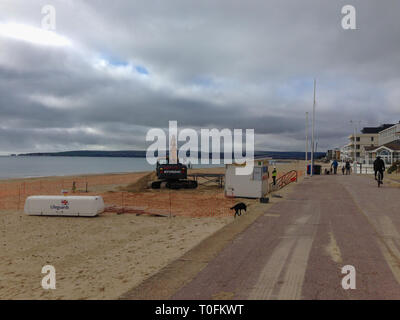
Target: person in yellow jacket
x,y
274,175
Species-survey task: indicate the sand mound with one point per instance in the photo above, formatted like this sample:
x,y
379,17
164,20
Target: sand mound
x,y
141,184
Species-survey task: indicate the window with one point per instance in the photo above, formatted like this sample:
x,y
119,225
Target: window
x,y
372,138
383,153
358,146
357,138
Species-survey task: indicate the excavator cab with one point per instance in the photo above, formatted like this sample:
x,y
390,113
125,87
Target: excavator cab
x,y
172,176
167,171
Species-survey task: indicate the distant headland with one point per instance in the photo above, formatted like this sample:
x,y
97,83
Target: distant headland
x,y
293,155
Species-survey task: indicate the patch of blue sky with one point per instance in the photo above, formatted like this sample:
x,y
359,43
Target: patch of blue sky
x,y
114,61
141,70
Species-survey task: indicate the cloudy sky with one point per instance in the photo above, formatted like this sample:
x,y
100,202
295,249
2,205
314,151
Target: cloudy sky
x,y
114,69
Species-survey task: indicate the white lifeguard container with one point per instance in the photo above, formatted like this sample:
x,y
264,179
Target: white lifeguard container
x,y
85,206
253,185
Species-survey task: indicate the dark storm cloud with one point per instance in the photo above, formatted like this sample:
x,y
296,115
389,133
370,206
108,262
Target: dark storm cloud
x,y
224,64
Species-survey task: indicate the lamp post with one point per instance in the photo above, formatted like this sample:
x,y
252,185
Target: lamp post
x,y
354,146
312,133
306,144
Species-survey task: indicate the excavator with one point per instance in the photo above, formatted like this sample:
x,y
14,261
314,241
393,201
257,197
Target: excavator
x,y
171,173
172,176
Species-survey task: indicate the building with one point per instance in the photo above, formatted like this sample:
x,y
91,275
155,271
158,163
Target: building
x,y
337,154
333,154
368,138
388,148
345,152
390,134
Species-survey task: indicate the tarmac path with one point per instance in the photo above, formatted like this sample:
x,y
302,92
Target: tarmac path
x,y
297,249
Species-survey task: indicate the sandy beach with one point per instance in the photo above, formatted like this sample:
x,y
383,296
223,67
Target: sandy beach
x,y
95,258
103,257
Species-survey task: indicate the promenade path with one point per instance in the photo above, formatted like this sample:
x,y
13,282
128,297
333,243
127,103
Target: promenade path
x,y
297,248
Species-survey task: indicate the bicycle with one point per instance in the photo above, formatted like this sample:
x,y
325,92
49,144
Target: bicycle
x,y
379,179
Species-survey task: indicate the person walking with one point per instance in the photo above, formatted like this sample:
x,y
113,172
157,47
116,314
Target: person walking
x,y
343,169
335,165
274,175
348,167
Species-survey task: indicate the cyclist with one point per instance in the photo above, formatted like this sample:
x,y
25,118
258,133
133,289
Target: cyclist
x,y
379,166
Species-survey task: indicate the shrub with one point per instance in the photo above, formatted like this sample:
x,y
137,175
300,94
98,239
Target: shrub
x,y
394,167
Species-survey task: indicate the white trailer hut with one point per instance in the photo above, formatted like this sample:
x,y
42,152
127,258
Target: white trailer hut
x,y
85,206
254,185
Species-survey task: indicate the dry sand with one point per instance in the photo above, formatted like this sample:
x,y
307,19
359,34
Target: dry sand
x,y
102,257
95,258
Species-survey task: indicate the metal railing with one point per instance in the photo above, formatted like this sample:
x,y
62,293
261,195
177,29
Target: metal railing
x,y
284,180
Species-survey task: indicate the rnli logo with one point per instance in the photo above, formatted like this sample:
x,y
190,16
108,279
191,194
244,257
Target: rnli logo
x,y
64,202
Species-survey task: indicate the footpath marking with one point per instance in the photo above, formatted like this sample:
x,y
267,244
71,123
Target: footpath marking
x,y
289,258
333,249
272,215
270,273
388,238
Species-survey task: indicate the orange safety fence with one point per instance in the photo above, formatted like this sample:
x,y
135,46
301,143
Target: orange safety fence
x,y
12,193
180,203
176,203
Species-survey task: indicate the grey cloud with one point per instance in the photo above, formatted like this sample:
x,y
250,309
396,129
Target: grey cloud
x,y
258,59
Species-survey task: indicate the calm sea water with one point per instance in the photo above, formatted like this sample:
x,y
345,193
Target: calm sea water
x,y
24,167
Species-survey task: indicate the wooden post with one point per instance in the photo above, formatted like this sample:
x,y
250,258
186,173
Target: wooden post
x,y
170,214
19,196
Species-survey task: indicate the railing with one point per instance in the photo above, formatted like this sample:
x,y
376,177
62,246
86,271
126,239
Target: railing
x,y
364,169
284,180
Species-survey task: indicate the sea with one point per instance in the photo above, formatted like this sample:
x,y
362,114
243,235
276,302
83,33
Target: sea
x,y
43,166
32,167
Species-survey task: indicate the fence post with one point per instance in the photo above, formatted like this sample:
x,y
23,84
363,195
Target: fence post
x,y
170,204
19,196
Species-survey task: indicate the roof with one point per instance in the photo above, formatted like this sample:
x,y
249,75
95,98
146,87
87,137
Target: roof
x,y
376,129
394,145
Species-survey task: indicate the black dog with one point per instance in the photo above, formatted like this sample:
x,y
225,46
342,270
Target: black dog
x,y
238,208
